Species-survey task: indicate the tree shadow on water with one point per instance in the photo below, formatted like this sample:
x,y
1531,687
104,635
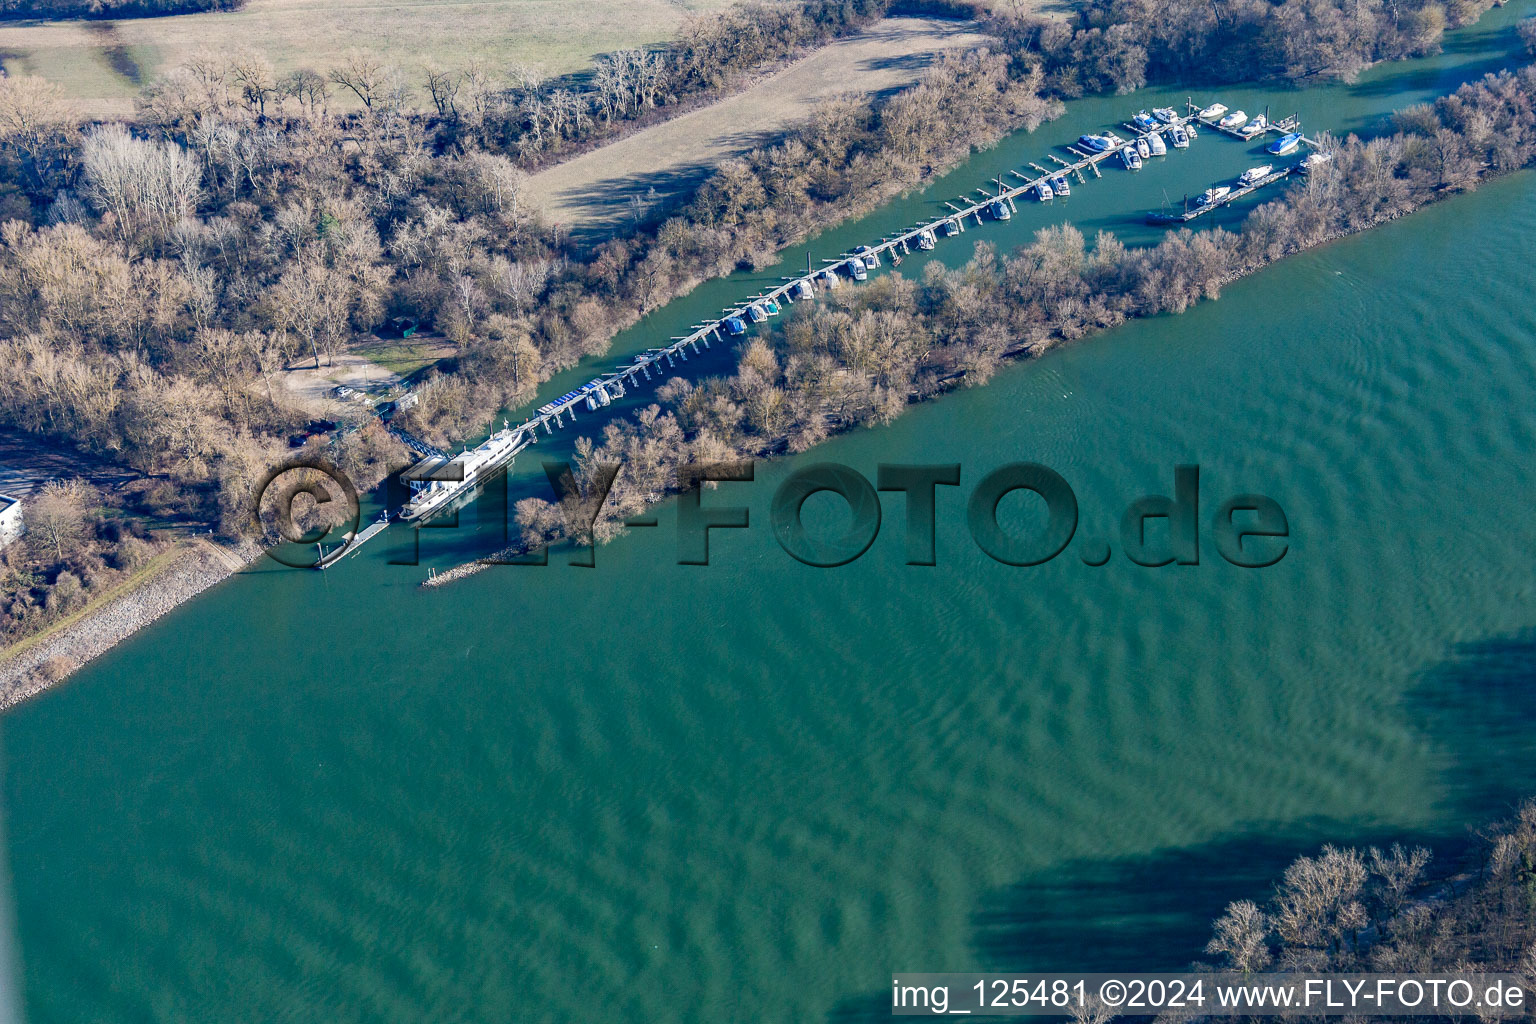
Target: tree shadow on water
x,y
1153,911
1478,709
1147,912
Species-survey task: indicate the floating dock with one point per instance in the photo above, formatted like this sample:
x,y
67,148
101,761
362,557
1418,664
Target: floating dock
x,y
1205,208
349,547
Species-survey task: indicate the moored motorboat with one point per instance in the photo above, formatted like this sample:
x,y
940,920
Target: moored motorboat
x,y
771,307
1213,111
1285,143
1043,191
1258,126
1131,158
870,257
1143,148
1059,183
1314,161
1167,115
1254,174
1143,120
999,210
1180,137
1233,120
952,227
803,290
1159,147
1212,195
1095,143
925,239
735,325
829,278
857,269
756,314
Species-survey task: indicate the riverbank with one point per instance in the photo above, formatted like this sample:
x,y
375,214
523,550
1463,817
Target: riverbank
x,y
46,660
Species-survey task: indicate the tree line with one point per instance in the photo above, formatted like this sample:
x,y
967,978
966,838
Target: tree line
x,y
1373,910
1120,45
19,9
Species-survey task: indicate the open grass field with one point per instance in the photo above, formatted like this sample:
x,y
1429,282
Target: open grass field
x,y
103,64
596,188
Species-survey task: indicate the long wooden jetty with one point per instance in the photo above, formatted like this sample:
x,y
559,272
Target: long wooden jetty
x,y
735,320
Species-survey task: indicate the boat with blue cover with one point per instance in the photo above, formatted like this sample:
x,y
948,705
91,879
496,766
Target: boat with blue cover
x,y
1285,143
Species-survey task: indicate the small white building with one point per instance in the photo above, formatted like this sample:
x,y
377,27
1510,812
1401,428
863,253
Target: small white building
x,y
10,519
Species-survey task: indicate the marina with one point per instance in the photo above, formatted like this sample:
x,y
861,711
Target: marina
x,y
437,481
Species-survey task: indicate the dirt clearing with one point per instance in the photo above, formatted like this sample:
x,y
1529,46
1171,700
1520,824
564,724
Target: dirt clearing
x,y
599,188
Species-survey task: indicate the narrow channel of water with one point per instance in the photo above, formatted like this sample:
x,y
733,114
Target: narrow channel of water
x,y
750,791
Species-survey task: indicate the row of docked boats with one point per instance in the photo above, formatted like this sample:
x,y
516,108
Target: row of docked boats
x,y
1238,121
1150,143
860,261
1049,188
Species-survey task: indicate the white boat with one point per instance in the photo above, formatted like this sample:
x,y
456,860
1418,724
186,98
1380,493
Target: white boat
x,y
1258,126
756,314
804,290
1212,195
1143,148
925,239
857,269
1059,183
1315,160
1043,192
1167,115
1131,158
1180,137
1213,111
1189,129
952,227
1096,143
1285,144
1253,174
1159,147
870,257
436,481
999,210
1143,120
829,279
1233,120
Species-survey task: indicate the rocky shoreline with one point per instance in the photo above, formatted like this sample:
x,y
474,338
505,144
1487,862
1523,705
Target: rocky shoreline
x,y
198,567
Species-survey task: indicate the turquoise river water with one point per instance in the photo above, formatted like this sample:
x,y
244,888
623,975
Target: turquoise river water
x,y
751,791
